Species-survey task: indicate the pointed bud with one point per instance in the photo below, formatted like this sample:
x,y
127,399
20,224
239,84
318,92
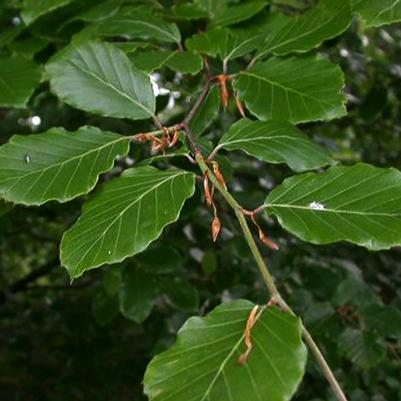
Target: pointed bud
x,y
267,241
217,173
175,138
240,107
223,90
216,227
208,194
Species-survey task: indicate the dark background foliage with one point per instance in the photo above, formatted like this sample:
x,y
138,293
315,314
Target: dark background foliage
x,y
68,341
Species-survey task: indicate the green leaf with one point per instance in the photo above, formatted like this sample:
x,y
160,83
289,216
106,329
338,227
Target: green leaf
x,y
361,348
203,364
104,308
100,11
385,320
360,204
300,34
212,7
275,142
212,42
18,79
186,11
124,217
184,62
377,13
112,280
207,113
160,258
209,262
240,43
137,294
28,47
181,293
134,23
33,9
238,12
99,78
57,165
293,89
4,207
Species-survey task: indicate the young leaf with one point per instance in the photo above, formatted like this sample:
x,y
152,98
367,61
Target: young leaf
x,y
33,9
275,142
57,165
124,217
360,204
377,13
203,364
137,294
300,34
18,79
99,78
295,89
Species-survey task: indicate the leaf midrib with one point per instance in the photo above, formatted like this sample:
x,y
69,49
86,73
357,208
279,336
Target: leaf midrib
x,y
292,39
106,83
80,156
330,210
172,177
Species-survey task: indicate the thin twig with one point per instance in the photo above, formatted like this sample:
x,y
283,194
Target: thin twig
x,y
269,280
197,105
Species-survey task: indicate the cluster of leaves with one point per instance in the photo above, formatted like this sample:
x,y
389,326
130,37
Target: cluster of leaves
x,y
97,57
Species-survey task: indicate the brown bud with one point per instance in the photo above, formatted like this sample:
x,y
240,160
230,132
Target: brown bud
x,y
240,107
267,241
208,194
216,227
217,173
175,138
223,90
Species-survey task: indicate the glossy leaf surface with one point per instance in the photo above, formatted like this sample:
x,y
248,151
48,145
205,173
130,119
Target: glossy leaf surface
x,y
360,204
57,165
295,89
377,13
124,217
203,364
299,34
99,78
275,142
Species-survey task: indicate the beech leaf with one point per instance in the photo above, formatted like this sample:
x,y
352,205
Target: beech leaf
x,y
275,142
360,204
57,165
99,78
124,217
203,364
